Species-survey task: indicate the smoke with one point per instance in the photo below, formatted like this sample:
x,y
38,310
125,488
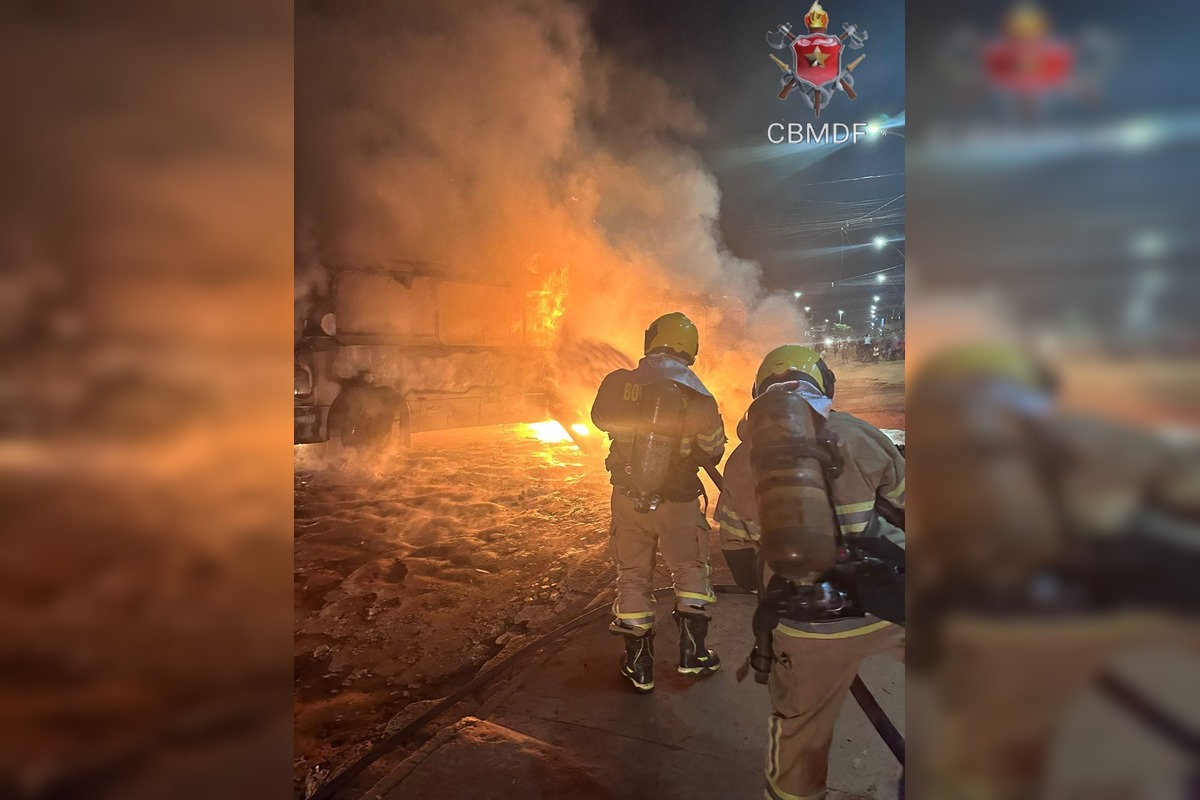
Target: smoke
x,y
499,140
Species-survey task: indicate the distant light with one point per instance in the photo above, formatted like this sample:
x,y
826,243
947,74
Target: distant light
x,y
798,294
880,278
807,309
874,128
1140,134
1149,244
875,298
880,241
829,342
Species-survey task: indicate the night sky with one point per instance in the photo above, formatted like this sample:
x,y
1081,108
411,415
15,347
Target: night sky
x,y
1096,204
784,205
1056,231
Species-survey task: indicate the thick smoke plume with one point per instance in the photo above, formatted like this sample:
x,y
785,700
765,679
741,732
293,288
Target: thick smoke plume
x,y
497,138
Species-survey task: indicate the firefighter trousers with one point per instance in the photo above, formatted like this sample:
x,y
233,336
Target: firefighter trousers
x,y
1003,688
680,532
809,682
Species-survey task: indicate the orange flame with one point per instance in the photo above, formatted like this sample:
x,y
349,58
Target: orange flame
x,y
550,431
546,308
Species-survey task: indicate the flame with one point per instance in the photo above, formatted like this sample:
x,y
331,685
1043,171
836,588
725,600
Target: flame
x,y
546,308
816,17
551,431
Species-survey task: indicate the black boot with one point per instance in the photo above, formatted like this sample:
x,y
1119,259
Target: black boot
x,y
694,657
637,662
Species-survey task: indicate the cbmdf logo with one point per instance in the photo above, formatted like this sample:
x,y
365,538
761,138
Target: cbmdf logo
x,y
818,67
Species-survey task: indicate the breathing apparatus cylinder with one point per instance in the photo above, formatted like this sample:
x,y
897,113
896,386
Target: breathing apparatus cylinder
x,y
799,530
656,439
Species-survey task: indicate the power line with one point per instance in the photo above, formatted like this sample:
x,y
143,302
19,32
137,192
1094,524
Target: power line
x,y
872,213
848,180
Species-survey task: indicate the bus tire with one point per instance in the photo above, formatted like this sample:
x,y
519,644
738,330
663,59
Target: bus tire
x,y
364,417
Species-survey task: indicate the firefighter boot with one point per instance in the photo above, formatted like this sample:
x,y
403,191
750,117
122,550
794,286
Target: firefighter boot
x,y
694,657
637,662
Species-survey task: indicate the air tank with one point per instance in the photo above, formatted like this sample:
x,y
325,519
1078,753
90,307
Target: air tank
x,y
656,439
799,533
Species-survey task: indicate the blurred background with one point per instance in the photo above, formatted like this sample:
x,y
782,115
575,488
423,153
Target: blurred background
x,y
146,241
1054,362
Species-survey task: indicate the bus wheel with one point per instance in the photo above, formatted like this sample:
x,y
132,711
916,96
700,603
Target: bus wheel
x,y
364,417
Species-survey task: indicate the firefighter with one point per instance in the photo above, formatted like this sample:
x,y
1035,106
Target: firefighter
x,y
807,492
1080,548
663,424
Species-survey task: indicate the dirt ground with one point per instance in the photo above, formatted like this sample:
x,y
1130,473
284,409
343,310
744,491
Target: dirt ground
x,y
415,568
874,392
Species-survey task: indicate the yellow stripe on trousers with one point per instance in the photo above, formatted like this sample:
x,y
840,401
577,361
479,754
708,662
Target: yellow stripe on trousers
x,y
796,633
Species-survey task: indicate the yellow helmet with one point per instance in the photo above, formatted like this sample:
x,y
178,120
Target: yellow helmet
x,y
791,358
675,332
997,361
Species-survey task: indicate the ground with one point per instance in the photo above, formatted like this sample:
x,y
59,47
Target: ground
x,y
417,567
874,392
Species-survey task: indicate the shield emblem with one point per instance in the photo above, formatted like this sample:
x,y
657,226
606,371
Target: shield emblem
x,y
817,59
1030,66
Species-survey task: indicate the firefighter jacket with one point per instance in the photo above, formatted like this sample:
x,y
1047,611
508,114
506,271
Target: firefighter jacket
x,y
873,472
616,412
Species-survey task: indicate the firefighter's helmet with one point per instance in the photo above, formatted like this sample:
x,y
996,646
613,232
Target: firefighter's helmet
x,y
816,19
792,362
992,361
676,333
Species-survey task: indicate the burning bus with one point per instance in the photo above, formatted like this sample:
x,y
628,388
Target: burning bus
x,y
406,347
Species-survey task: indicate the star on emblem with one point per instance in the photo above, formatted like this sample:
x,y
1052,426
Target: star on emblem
x,y
816,58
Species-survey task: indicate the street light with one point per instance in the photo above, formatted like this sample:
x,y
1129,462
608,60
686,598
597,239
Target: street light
x,y
880,278
880,242
875,298
807,309
840,312
798,294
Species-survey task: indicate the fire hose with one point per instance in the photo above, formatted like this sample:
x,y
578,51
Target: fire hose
x,y
329,790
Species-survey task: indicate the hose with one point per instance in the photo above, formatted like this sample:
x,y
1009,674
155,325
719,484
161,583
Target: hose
x,y
329,789
879,719
1150,713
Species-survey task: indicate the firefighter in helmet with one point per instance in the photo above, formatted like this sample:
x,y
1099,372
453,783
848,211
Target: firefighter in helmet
x,y
664,424
1081,547
811,516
